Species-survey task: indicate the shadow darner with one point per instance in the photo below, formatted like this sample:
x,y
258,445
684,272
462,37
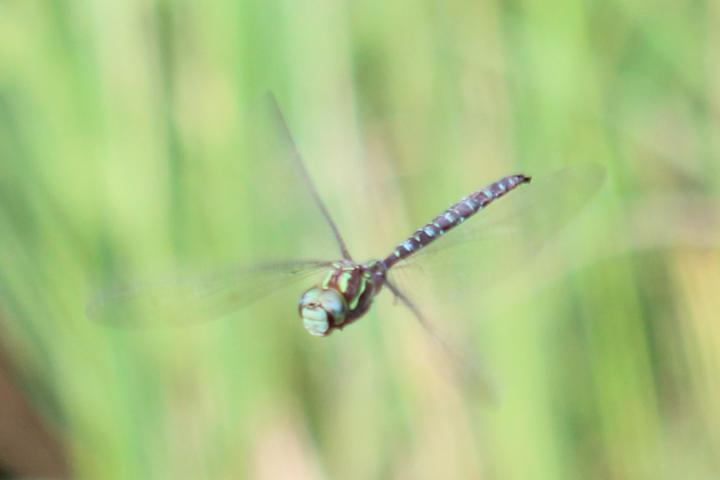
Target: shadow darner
x,y
348,290
349,287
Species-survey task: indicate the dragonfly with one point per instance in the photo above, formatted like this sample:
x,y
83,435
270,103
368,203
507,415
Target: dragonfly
x,y
348,288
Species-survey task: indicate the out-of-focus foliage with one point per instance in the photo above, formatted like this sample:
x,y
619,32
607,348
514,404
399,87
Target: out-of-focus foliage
x,y
131,146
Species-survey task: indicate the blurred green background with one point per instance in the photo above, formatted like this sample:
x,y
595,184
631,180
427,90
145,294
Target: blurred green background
x,y
130,146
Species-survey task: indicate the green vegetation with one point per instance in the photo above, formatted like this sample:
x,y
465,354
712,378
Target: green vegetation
x,y
132,146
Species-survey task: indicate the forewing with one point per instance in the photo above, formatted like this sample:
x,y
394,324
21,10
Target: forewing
x,y
191,298
262,205
289,217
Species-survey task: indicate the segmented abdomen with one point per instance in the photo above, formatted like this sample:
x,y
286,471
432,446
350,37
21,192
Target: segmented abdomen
x,y
454,216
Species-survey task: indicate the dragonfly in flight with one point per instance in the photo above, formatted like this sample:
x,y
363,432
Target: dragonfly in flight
x,y
348,289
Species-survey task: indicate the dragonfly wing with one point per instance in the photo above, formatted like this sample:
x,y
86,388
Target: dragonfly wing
x,y
275,208
297,160
184,299
294,221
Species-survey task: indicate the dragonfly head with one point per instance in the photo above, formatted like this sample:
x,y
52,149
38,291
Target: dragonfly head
x,y
321,309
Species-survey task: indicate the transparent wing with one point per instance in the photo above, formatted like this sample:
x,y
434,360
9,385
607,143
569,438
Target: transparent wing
x,y
496,242
299,164
288,218
183,299
262,198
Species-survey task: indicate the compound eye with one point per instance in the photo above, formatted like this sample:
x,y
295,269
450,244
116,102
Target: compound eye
x,y
315,321
321,310
334,304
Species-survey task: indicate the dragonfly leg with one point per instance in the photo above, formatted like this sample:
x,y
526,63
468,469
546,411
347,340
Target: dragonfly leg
x,y
464,366
405,300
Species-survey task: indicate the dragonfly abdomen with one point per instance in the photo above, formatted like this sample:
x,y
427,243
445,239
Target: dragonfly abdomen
x,y
454,216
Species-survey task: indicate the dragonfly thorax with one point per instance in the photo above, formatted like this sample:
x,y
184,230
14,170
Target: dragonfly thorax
x,y
345,295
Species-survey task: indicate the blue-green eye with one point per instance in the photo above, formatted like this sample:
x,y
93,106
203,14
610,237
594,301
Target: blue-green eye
x,y
322,309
